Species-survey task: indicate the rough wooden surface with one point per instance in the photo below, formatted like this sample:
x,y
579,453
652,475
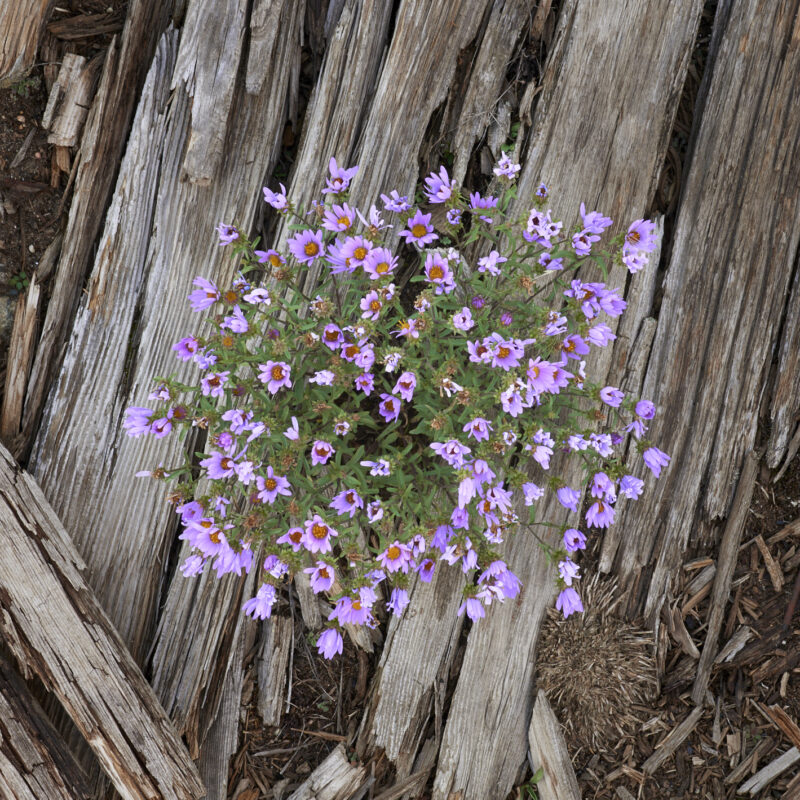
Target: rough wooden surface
x,y
34,763
334,779
733,254
549,753
101,148
670,743
21,25
69,100
53,623
585,118
277,641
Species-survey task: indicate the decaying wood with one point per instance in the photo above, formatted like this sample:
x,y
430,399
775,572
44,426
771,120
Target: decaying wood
x,y
773,568
69,100
100,151
784,723
34,762
272,662
21,25
667,746
20,357
549,753
750,762
599,60
85,26
767,774
700,373
726,563
734,644
53,622
334,779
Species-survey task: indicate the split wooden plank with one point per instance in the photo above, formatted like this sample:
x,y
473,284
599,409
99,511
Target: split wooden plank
x,y
334,779
20,358
34,761
273,659
22,24
768,773
600,59
773,568
667,746
722,288
53,622
549,753
101,148
726,564
69,100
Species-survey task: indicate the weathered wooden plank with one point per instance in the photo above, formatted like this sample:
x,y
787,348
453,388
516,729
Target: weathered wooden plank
x,y
604,54
21,26
69,100
334,779
100,152
670,743
20,357
549,753
34,761
272,662
53,620
725,286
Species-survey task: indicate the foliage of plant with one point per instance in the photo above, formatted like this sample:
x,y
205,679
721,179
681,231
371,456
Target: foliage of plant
x,y
406,414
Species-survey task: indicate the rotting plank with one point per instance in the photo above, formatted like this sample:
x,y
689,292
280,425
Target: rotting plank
x,y
334,779
22,23
34,761
614,146
54,624
101,148
733,253
277,641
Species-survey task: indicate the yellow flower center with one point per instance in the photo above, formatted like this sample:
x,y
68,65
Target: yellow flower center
x,y
503,352
214,537
275,260
311,248
382,267
231,296
351,351
360,253
296,536
319,531
418,230
436,273
633,237
344,221
393,552
226,463
323,573
350,497
270,483
375,305
356,605
227,340
277,373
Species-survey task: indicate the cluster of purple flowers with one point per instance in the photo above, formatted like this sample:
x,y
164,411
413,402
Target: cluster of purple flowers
x,y
351,393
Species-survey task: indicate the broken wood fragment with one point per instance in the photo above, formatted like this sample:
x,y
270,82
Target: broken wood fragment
x,y
667,746
53,622
334,779
784,722
86,26
726,563
70,100
739,639
549,753
274,656
767,774
773,568
22,23
750,761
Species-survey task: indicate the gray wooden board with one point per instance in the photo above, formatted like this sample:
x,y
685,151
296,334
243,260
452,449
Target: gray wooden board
x,y
22,23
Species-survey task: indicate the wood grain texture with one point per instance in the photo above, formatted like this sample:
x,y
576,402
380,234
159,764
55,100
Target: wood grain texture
x,y
127,61
334,779
22,23
277,642
732,259
600,132
69,100
34,761
53,620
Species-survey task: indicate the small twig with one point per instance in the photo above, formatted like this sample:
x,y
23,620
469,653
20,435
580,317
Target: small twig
x,y
792,607
291,656
332,737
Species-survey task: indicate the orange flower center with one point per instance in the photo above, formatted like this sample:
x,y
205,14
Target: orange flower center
x,y
360,253
296,536
350,497
352,351
503,352
418,230
226,463
436,273
311,248
356,605
231,296
214,537
375,305
331,336
633,237
270,483
393,552
344,221
277,373
319,531
275,260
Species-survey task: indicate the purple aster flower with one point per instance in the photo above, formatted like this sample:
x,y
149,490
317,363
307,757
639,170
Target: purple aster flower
x,y
353,611
204,296
438,188
603,487
452,451
381,467
355,251
568,498
506,353
161,427
574,347
318,534
271,257
330,640
568,602
630,487
292,433
655,459
338,218
321,577
491,263
137,421
293,537
193,566
438,272
574,540
541,228
612,396
408,329
218,466
332,336
321,452
478,302
641,236
258,296
541,448
610,301
338,182
506,168
477,203
389,407
213,384
374,511
371,305
478,428
227,234
365,382
271,486
474,609
186,348
276,199
235,323
531,492
453,217
276,374
379,263
459,519
645,409
261,605
601,443
541,192
307,246
395,202
594,221
600,515
347,502
419,231
426,569
506,318
568,571
600,335
396,557
405,386
462,321
398,602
